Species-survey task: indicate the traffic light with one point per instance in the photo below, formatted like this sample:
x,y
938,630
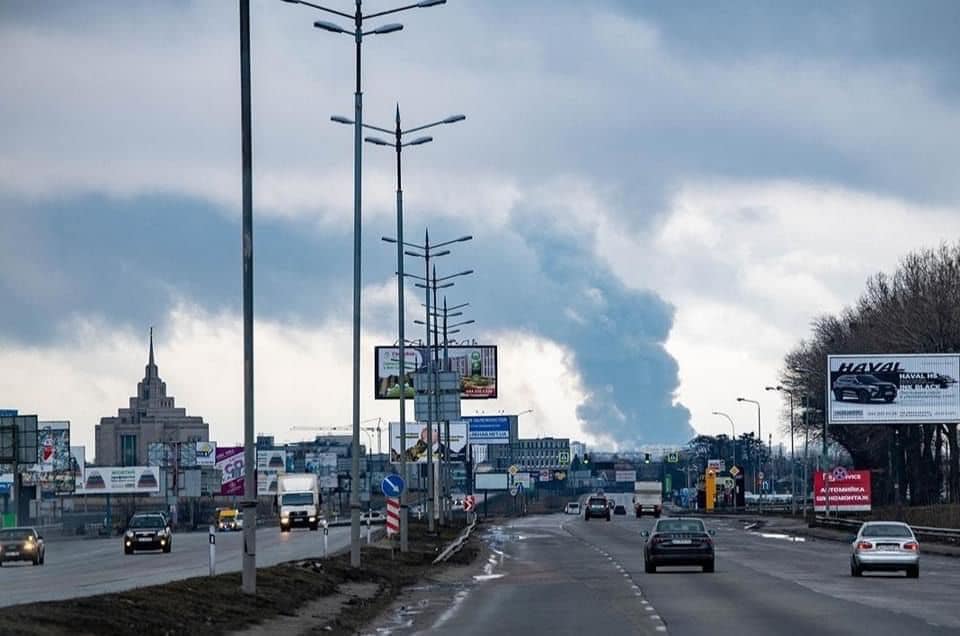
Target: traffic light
x,y
646,458
586,458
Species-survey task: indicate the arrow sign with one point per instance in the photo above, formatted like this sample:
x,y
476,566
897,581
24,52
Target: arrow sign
x,y
392,485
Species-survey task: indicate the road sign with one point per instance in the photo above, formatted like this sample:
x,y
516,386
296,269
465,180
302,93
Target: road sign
x,y
392,485
734,471
393,514
563,457
469,503
516,489
513,470
673,458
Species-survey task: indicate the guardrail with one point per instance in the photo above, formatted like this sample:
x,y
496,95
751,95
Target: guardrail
x,y
454,547
940,535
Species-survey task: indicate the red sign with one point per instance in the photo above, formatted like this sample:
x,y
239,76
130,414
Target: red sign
x,y
469,503
393,515
848,491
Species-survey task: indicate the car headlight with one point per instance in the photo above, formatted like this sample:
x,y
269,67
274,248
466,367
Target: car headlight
x,y
284,519
312,519
28,546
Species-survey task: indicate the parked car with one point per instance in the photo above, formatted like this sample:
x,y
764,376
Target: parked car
x,y
596,507
147,531
682,541
572,508
21,544
885,545
863,388
373,516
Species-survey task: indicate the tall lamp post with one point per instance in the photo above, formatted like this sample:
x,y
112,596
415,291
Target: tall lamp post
x,y
357,32
793,463
399,144
757,481
427,251
432,286
733,430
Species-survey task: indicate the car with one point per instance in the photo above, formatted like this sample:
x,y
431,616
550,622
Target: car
x,y
572,508
678,541
147,531
21,544
596,507
885,546
863,388
229,519
619,509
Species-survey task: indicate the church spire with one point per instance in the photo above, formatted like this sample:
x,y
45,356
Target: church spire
x,y
151,364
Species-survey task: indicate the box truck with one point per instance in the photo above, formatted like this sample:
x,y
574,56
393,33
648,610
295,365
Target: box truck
x,y
298,501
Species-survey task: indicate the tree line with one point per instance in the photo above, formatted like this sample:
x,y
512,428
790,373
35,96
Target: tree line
x,y
915,309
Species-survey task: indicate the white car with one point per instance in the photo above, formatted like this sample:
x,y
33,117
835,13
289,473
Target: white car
x,y
372,516
885,545
572,508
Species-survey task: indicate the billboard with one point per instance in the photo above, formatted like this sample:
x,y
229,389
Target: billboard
x,y
230,465
320,463
717,465
415,446
267,481
491,481
272,460
475,364
54,471
893,389
849,490
488,429
206,453
116,480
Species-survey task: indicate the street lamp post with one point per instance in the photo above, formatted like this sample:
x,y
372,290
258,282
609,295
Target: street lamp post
x,y
357,32
793,463
399,144
427,252
733,429
757,480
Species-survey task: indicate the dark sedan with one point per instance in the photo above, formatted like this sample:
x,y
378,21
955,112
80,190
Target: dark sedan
x,y
21,544
147,531
678,542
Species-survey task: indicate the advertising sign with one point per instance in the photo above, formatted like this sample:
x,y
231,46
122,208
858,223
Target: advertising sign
x,y
116,480
55,471
21,429
476,366
272,460
329,482
488,429
893,389
626,475
320,463
716,465
415,446
849,490
230,464
206,453
491,481
267,481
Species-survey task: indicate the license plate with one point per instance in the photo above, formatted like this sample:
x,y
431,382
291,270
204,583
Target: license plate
x,y
144,539
13,554
888,547
682,542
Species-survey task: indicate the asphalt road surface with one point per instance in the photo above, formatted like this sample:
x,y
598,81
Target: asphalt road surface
x,y
95,566
559,574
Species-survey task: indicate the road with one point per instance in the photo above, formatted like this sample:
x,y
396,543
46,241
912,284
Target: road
x,y
95,566
560,574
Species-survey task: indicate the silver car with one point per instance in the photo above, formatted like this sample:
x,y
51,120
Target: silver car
x,y
885,546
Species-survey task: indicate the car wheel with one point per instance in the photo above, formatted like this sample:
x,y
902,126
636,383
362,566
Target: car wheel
x,y
167,548
709,567
36,560
913,572
863,397
649,568
282,529
855,569
608,516
128,550
43,557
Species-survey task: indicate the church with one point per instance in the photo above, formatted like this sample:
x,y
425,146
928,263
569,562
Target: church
x,y
151,417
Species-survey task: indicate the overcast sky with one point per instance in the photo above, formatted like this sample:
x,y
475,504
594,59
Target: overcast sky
x,y
662,195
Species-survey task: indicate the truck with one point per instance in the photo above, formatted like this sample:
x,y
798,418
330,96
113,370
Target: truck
x,y
298,501
647,498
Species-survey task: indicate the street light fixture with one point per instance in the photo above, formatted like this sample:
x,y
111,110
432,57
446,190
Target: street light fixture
x,y
733,430
358,34
398,144
793,462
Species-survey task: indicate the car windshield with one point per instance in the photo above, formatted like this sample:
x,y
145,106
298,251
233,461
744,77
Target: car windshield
x,y
15,534
895,530
868,379
297,499
597,502
680,525
147,521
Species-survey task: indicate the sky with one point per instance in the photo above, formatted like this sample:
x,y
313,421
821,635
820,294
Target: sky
x,y
662,196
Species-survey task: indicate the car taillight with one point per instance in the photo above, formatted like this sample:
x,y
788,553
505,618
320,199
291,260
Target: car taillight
x,y
864,545
913,546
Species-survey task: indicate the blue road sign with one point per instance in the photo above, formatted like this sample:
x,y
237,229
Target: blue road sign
x,y
392,485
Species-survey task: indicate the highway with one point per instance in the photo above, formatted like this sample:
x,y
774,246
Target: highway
x,y
94,566
560,574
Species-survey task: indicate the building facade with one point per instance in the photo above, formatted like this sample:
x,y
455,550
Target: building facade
x,y
543,453
152,416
